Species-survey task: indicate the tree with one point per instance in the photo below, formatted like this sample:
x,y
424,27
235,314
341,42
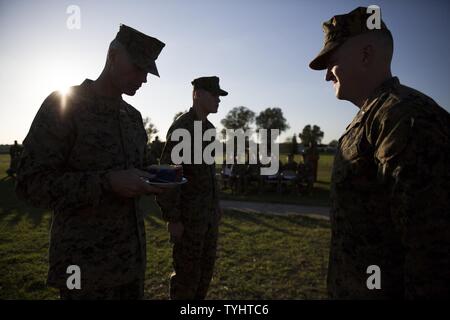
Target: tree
x,y
333,144
149,128
271,118
310,135
294,145
238,118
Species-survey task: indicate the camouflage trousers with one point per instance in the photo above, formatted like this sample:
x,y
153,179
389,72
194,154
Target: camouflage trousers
x,y
129,291
193,262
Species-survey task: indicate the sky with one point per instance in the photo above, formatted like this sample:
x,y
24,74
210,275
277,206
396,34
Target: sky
x,y
259,49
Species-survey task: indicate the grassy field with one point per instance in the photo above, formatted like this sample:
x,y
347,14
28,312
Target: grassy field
x,y
259,256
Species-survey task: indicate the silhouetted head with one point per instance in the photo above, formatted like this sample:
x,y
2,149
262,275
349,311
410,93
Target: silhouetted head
x,y
206,94
356,58
131,56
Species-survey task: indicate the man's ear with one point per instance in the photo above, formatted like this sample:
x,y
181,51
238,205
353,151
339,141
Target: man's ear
x,y
368,52
196,94
112,55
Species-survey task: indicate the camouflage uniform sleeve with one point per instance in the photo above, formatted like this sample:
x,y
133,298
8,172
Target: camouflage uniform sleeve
x,y
216,189
147,160
414,166
42,178
169,200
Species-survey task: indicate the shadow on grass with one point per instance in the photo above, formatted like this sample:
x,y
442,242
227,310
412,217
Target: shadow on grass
x,y
152,215
261,220
305,221
13,206
224,224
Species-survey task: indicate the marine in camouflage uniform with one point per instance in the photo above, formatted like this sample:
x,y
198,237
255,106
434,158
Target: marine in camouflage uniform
x,y
196,206
390,183
14,152
74,144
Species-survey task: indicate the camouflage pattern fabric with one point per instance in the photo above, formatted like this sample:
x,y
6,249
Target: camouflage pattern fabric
x,y
194,257
339,29
72,143
142,49
390,198
210,84
194,204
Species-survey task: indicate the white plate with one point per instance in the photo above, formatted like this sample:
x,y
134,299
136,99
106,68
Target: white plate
x,y
165,184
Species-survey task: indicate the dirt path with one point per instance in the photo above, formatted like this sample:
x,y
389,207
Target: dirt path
x,y
277,208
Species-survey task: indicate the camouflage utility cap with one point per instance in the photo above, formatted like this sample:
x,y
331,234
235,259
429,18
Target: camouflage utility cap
x,y
143,49
340,28
210,84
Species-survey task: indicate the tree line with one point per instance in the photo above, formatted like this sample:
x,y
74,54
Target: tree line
x,y
271,118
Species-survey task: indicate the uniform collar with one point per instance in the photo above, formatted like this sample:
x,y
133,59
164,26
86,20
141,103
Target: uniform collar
x,y
101,103
194,115
384,87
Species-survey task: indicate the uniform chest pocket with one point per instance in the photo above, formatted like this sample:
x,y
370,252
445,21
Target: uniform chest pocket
x,y
349,146
101,140
97,147
350,152
347,159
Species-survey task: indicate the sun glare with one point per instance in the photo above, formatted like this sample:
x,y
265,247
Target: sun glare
x,y
64,91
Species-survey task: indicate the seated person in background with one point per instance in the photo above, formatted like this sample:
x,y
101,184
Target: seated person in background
x,y
237,181
305,178
289,170
253,174
274,178
227,170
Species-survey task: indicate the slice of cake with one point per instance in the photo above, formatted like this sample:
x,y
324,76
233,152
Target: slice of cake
x,y
166,173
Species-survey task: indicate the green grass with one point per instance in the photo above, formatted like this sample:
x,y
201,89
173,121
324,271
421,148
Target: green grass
x,y
259,256
320,196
